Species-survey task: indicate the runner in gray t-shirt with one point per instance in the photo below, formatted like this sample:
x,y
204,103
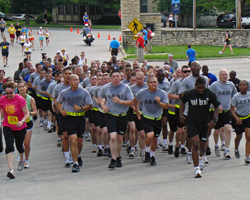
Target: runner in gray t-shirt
x,y
240,109
225,90
118,97
153,102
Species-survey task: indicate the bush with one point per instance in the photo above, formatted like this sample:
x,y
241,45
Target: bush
x,y
109,20
39,19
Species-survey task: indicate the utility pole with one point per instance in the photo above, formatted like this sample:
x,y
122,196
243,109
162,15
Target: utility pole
x,y
194,14
238,14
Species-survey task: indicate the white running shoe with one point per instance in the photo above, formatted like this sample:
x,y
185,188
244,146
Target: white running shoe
x,y
164,147
189,159
201,164
205,160
217,151
220,52
227,154
223,146
197,172
26,164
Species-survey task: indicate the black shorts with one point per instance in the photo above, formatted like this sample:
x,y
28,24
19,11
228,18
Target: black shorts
x,y
18,33
211,115
130,114
116,124
38,102
22,44
61,123
2,29
46,38
90,115
29,126
101,119
151,126
138,123
177,118
95,118
197,128
165,113
27,53
87,113
172,122
228,42
223,119
114,52
239,129
45,104
5,54
75,125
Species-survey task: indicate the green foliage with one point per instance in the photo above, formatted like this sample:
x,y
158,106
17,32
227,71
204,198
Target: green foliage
x,y
110,20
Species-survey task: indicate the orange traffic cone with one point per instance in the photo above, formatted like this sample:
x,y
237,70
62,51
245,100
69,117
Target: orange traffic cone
x,y
120,38
109,37
98,35
78,31
71,30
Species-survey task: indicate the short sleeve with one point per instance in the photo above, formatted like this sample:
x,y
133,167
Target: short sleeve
x,y
184,98
21,101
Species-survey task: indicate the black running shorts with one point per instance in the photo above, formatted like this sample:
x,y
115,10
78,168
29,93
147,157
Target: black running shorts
x,y
223,119
116,124
75,125
152,126
197,128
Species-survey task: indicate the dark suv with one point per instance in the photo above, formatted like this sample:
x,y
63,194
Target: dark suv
x,y
226,21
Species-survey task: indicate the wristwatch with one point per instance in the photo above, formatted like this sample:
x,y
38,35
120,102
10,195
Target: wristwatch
x,y
215,119
23,121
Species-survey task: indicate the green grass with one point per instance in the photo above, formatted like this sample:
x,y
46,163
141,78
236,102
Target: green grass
x,y
180,52
34,24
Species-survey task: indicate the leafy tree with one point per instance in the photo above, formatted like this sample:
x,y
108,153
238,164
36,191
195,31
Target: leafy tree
x,y
4,4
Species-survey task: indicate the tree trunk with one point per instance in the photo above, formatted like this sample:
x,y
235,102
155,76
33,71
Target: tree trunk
x,y
26,16
2,9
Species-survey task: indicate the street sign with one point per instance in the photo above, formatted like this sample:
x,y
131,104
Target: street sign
x,y
176,6
135,26
120,13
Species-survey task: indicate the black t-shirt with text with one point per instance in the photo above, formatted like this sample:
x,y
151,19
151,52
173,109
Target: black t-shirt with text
x,y
199,104
4,46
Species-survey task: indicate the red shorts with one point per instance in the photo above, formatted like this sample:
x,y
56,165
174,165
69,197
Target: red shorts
x,y
86,23
12,36
30,39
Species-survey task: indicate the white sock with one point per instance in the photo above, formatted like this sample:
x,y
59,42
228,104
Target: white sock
x,y
66,155
94,145
196,167
106,147
170,144
132,148
164,141
87,133
236,150
100,146
49,124
142,152
189,153
223,142
147,149
216,145
76,162
226,149
41,118
182,146
152,153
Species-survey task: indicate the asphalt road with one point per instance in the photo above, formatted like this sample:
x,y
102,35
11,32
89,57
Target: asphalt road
x,y
171,178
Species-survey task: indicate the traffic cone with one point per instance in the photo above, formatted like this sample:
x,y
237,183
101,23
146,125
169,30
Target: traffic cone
x,y
78,31
98,35
71,30
120,38
109,37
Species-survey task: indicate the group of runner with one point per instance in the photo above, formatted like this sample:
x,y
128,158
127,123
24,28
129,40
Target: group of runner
x,y
117,104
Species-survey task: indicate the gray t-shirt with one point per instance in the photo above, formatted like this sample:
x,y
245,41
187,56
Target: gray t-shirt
x,y
225,92
135,89
165,85
43,85
125,81
242,104
36,83
68,98
33,76
96,92
85,82
150,107
25,72
174,65
122,91
91,92
189,83
174,90
58,89
51,87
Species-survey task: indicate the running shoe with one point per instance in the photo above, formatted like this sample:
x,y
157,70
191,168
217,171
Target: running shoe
x,y
227,154
201,164
88,138
197,172
132,153
136,151
26,164
11,174
105,153
208,151
159,142
164,147
189,159
119,161
205,160
45,125
124,144
128,148
59,142
170,150
147,157
100,153
18,158
20,166
223,147
152,161
217,151
183,151
112,164
49,130
41,124
247,160
220,52
237,154
94,149
80,161
75,168
177,152
67,162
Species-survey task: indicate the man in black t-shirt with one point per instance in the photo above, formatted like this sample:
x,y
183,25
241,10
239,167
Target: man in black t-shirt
x,y
199,100
235,80
18,31
5,51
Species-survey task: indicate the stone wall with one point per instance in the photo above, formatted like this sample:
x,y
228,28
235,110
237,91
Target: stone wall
x,y
204,37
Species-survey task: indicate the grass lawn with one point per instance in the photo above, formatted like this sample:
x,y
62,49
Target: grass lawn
x,y
179,52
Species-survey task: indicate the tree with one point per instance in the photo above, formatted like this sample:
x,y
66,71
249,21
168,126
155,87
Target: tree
x,y
4,4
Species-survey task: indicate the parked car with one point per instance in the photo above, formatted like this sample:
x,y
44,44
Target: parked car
x,y
245,22
226,21
21,17
5,18
164,20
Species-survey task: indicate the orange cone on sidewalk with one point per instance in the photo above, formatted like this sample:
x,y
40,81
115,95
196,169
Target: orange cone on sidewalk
x,y
71,30
78,31
98,35
109,37
120,38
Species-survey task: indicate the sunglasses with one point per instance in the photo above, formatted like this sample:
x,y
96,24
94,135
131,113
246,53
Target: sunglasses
x,y
187,71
